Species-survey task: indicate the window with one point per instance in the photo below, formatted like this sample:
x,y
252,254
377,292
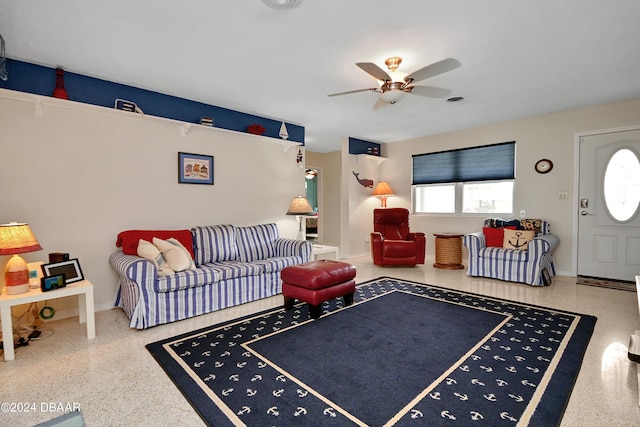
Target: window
x,y
470,180
622,185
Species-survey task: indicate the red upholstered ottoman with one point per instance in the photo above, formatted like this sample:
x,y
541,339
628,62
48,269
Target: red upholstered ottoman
x,y
316,282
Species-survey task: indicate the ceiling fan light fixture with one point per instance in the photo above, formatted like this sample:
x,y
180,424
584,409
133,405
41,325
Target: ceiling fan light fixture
x,y
392,96
282,4
393,63
397,76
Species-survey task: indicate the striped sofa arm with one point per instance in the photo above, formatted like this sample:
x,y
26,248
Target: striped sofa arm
x,y
135,269
291,247
474,242
540,258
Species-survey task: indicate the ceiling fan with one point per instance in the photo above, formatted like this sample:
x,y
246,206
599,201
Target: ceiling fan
x,y
394,84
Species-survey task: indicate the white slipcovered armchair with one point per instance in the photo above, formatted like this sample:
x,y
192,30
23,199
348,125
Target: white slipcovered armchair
x,y
533,265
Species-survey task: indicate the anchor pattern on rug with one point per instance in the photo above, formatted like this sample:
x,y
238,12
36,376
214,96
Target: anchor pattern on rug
x,y
507,368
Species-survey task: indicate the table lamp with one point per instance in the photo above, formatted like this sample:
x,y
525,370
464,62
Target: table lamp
x,y
299,207
383,190
17,238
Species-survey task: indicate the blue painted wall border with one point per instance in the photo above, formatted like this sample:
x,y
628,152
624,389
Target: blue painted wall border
x,y
40,80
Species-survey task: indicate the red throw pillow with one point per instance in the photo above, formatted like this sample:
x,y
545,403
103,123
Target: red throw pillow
x,y
493,236
128,240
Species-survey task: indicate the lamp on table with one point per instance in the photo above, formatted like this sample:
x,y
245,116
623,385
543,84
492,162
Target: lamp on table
x,y
17,238
383,190
300,207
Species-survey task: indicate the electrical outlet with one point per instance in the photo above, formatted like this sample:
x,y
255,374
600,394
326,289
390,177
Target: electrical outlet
x,y
523,214
563,195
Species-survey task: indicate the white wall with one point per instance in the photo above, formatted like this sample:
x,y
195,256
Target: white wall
x,y
550,136
80,174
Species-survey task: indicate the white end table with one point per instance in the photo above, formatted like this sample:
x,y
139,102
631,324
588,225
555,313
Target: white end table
x,y
324,249
84,290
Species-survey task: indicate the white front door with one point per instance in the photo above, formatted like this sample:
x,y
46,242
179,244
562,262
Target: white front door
x,y
609,202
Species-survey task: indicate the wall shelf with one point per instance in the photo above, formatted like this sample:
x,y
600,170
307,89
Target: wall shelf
x,y
40,101
369,157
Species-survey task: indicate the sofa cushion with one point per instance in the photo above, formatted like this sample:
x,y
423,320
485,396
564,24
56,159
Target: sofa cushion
x,y
537,225
187,279
507,255
185,250
150,252
256,242
517,239
276,264
128,240
493,236
214,244
234,269
502,223
399,248
174,253
532,224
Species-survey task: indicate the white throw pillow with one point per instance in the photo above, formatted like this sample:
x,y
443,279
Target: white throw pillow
x,y
177,257
176,242
148,251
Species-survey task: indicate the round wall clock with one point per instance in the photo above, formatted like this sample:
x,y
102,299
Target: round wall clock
x,y
544,166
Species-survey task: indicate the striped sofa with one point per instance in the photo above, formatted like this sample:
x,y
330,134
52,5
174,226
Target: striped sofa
x,y
234,265
533,266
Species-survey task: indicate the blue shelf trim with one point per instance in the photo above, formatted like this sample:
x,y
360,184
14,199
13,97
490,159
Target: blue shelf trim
x,y
40,80
360,146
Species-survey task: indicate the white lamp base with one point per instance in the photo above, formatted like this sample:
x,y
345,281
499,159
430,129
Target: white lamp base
x,y
17,289
16,276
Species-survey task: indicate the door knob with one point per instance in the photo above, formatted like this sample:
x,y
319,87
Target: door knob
x,y
584,213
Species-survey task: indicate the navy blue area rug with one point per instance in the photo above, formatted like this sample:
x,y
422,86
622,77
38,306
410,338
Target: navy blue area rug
x,y
405,353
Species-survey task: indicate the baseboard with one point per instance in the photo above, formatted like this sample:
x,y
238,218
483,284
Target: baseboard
x,y
74,312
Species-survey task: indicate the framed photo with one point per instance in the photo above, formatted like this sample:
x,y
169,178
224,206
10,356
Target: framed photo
x,y
70,269
50,283
195,169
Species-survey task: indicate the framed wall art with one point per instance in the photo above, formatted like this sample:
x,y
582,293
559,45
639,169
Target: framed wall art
x,y
195,169
70,269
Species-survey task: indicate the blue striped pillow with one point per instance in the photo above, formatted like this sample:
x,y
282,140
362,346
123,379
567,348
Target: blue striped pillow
x,y
214,243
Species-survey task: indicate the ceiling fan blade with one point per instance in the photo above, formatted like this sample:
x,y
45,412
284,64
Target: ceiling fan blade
x,y
371,89
430,91
433,70
380,103
373,70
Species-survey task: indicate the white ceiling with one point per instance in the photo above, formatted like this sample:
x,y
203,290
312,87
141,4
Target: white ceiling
x,y
519,57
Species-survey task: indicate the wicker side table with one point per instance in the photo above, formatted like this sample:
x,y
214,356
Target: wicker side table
x,y
448,251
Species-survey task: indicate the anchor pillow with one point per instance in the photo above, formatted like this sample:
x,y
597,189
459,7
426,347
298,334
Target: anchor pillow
x,y
517,239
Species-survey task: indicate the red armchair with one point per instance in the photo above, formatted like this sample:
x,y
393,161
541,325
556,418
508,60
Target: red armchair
x,y
391,241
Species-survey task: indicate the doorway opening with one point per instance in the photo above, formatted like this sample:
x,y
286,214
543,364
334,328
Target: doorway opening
x,y
311,193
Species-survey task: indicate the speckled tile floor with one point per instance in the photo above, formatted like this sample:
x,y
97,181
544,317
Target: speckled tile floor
x,y
116,382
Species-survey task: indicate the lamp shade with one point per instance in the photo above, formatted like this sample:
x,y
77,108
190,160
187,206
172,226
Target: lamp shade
x,y
300,206
17,238
382,189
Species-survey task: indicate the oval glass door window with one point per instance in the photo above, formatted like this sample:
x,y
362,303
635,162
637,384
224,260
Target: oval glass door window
x,y
622,185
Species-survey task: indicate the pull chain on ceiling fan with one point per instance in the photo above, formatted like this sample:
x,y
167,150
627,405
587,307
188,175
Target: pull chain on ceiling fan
x,y
395,84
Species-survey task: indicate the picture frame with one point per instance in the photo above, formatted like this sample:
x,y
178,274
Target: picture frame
x,y
195,168
71,270
49,283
